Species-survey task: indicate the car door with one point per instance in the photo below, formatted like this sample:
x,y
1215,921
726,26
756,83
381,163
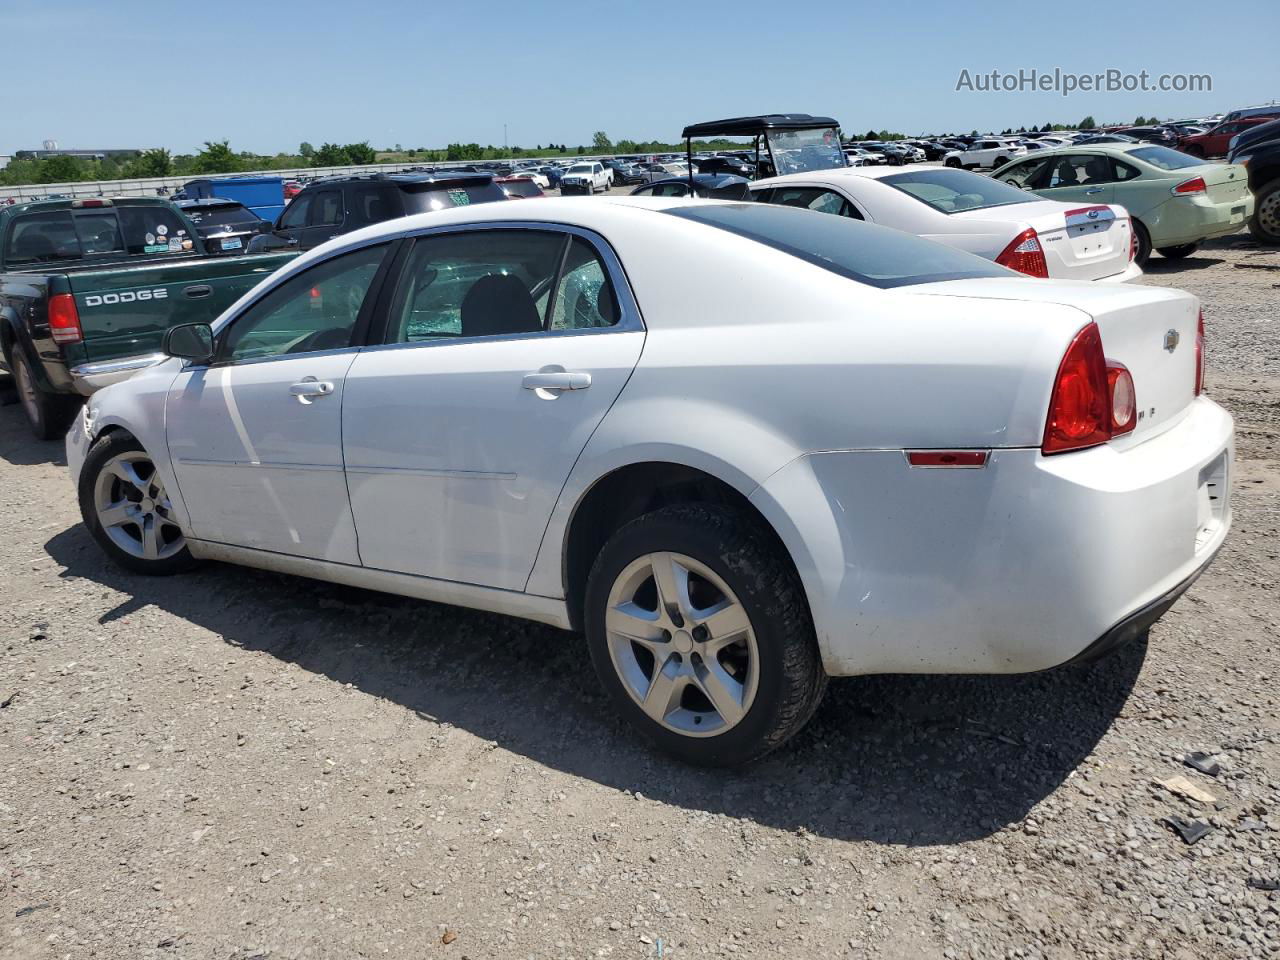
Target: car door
x,y
504,348
1087,178
325,216
293,219
256,436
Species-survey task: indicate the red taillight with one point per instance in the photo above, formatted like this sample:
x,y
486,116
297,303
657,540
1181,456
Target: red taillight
x,y
1025,255
64,319
1200,354
1080,408
1194,185
1124,399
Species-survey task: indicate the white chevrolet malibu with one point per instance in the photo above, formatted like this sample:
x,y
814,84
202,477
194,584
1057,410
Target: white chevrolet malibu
x,y
742,447
970,211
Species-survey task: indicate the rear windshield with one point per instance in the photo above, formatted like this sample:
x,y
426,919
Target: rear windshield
x,y
220,216
441,198
522,188
851,248
1164,158
951,191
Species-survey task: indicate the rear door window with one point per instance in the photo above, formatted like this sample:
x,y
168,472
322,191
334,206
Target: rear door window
x,y
374,202
816,199
326,209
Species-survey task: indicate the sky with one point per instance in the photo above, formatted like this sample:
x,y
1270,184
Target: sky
x,y
267,76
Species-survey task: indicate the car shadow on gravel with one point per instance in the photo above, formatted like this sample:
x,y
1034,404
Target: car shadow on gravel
x,y
908,760
1196,261
18,446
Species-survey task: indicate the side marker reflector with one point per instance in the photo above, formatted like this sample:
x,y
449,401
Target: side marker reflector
x,y
947,458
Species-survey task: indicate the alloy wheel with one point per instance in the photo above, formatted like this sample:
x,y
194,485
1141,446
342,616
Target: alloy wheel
x,y
682,644
134,510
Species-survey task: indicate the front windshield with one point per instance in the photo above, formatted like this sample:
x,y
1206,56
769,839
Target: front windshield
x,y
580,168
951,191
798,151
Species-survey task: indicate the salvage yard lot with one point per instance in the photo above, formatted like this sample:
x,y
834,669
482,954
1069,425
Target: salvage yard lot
x,y
235,764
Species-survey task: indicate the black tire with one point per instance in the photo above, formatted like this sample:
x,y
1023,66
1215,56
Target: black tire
x,y
105,449
47,413
791,679
1180,251
1194,150
1265,222
1000,162
1143,253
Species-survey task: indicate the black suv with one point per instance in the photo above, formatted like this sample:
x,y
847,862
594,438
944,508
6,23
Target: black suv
x,y
337,205
1259,149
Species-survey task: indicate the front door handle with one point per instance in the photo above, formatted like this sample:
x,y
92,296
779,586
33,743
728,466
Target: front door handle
x,y
198,290
309,388
1093,191
557,381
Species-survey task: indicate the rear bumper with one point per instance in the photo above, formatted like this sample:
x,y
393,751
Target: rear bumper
x,y
1018,566
1188,220
1137,623
88,378
1131,272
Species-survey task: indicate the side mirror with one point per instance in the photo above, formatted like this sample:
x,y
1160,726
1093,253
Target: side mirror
x,y
266,226
189,341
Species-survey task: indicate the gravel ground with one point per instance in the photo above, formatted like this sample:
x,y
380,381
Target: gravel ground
x,y
235,765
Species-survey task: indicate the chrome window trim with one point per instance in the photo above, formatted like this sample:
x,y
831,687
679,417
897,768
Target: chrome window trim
x,y
630,318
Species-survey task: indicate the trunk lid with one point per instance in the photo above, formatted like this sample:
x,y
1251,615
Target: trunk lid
x,y
1225,182
1151,331
1080,241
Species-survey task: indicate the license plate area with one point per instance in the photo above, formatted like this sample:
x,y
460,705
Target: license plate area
x,y
232,243
1212,499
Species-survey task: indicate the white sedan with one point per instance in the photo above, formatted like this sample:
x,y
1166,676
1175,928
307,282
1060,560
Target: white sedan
x,y
973,212
742,447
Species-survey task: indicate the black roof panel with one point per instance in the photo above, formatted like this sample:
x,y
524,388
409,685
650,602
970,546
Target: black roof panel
x,y
750,126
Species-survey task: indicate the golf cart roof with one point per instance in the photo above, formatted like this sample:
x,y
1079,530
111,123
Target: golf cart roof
x,y
751,126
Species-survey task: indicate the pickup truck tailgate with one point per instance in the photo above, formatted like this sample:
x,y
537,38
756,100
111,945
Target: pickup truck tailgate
x,y
125,311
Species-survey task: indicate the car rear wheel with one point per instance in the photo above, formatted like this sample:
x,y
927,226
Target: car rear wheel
x,y
1265,223
1143,253
128,511
1180,251
699,630
47,413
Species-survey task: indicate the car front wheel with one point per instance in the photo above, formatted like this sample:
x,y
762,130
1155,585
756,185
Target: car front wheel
x,y
699,630
127,509
953,161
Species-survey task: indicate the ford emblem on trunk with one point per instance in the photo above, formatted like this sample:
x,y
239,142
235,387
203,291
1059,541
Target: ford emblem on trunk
x,y
1093,214
1171,340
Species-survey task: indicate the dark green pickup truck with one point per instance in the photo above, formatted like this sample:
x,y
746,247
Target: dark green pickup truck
x,y
88,288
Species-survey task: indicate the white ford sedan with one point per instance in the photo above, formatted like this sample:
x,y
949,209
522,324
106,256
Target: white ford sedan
x,y
969,211
742,447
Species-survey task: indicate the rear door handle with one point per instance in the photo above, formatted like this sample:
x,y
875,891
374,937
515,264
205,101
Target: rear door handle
x,y
1094,190
198,290
309,388
557,381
